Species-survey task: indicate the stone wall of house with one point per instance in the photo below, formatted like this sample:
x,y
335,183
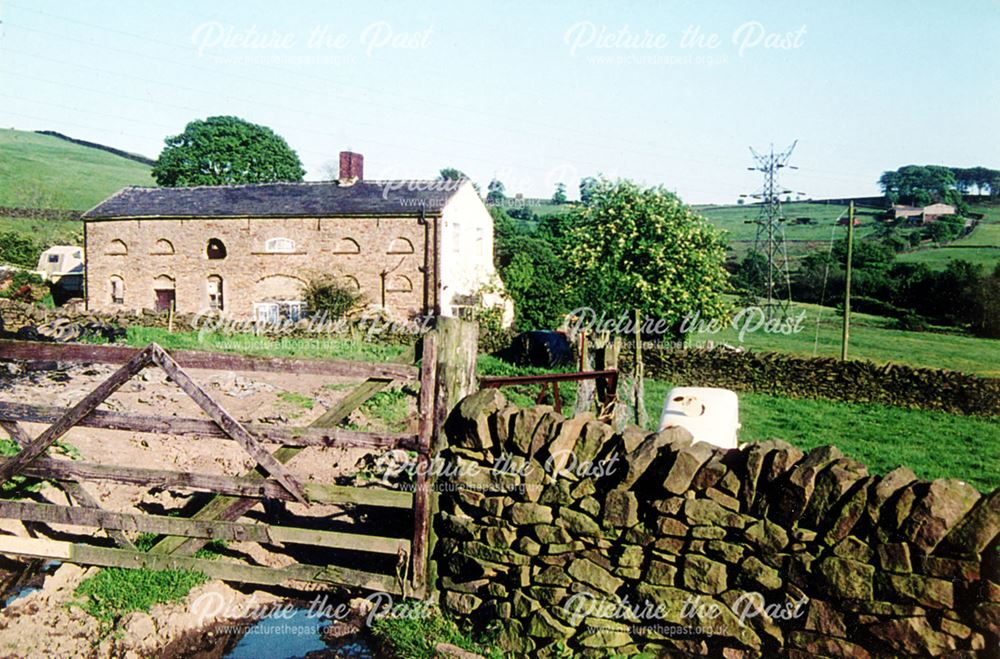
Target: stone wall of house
x,y
383,257
579,537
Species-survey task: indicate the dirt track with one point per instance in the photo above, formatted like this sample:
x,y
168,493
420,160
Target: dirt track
x,y
41,624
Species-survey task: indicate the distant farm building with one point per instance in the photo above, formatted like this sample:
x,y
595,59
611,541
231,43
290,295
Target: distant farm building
x,y
921,214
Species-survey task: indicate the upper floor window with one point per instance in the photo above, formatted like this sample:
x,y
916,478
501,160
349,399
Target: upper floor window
x,y
400,246
279,245
215,249
163,246
347,246
116,248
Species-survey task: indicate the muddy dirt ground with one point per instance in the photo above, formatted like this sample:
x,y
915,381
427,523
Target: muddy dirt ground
x,y
42,623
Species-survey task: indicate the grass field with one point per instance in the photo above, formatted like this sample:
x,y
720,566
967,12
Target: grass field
x,y
932,444
44,232
871,338
40,171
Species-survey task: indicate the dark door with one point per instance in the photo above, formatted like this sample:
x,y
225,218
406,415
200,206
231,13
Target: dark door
x,y
164,300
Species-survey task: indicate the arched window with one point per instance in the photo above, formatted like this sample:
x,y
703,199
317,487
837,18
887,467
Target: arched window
x,y
399,284
117,290
214,288
279,245
347,246
116,248
215,249
163,246
400,246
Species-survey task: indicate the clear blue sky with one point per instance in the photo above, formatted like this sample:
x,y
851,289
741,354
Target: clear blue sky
x,y
531,92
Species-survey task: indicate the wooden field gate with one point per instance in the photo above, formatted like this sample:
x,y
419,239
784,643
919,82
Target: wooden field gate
x,y
271,479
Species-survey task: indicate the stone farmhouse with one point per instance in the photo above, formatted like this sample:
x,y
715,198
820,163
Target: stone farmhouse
x,y
410,247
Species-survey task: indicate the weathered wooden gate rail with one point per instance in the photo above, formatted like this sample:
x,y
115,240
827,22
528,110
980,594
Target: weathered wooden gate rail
x,y
234,495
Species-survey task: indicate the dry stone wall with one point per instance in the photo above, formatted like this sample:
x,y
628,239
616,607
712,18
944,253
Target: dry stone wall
x,y
596,542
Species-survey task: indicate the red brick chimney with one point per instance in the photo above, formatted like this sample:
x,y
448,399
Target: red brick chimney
x,y
352,166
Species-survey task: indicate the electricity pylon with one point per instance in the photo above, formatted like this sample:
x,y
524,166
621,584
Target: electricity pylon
x,y
772,283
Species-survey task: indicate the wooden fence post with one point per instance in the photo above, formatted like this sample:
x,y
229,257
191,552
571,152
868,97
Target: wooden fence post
x,y
585,388
457,345
638,373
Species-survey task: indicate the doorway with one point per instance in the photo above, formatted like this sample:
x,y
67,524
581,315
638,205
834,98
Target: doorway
x,y
165,299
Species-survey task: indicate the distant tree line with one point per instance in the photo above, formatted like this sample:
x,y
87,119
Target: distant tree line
x,y
962,295
919,185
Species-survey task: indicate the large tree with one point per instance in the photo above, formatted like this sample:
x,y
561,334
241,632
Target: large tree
x,y
631,248
226,150
921,185
495,192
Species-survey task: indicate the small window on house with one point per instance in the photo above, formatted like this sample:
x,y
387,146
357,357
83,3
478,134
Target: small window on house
x,y
163,246
117,290
214,288
399,284
53,258
347,246
279,245
215,249
265,312
76,255
401,246
273,312
116,248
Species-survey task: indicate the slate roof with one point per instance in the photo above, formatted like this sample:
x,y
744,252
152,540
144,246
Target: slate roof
x,y
310,199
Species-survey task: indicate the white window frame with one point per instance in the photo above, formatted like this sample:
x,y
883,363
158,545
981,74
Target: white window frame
x,y
117,286
265,312
273,312
215,299
293,310
279,245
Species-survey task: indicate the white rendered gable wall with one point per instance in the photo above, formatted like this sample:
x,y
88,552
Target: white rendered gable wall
x,y
466,246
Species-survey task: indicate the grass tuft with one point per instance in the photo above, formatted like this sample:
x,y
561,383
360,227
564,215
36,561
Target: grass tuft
x,y
414,630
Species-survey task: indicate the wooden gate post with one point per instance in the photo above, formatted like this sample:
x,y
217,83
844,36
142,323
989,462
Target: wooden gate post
x,y
457,345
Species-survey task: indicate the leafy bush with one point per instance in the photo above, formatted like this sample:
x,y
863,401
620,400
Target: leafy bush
x,y
19,250
24,287
910,322
327,294
875,307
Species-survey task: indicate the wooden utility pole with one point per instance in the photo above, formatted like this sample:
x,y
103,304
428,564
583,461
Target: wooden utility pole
x,y
847,283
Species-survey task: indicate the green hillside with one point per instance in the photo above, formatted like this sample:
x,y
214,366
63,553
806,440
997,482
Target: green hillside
x,y
808,226
40,171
